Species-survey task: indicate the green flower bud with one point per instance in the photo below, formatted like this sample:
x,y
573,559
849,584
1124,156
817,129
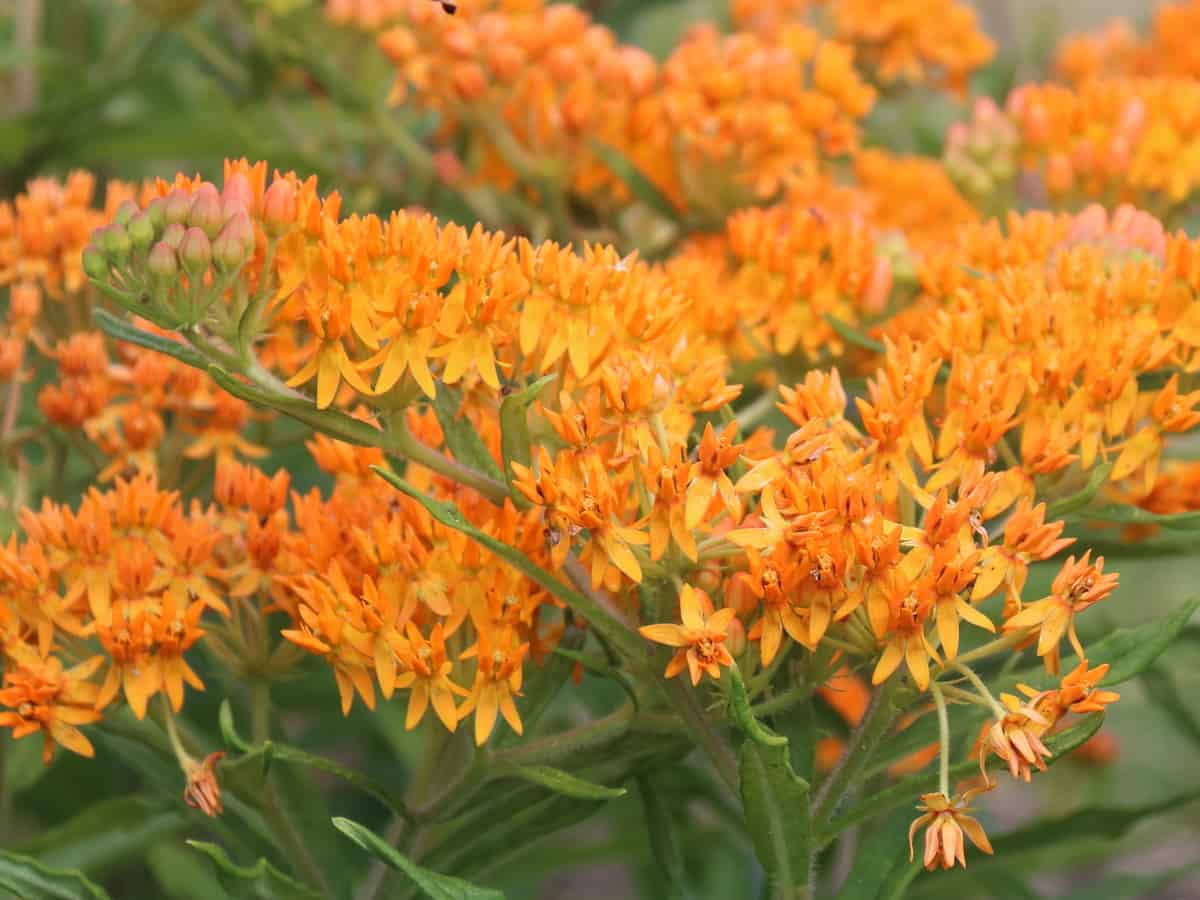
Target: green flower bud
x,y
116,244
125,212
156,213
162,264
95,264
195,251
177,206
141,231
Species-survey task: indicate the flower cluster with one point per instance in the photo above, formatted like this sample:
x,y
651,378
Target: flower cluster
x,y
1116,50
899,41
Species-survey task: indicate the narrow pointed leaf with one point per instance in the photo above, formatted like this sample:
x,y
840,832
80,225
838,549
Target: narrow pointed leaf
x,y
1126,513
435,886
563,782
123,330
853,336
30,879
261,880
1081,499
639,185
739,703
461,437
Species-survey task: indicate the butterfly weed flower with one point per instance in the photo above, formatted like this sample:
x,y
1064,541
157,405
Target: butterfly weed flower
x,y
948,826
700,638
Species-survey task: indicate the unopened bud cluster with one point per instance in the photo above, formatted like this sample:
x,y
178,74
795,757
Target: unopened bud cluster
x,y
981,155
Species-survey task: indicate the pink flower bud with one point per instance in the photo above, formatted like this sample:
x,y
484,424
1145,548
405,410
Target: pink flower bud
x,y
162,263
195,251
279,207
177,206
205,213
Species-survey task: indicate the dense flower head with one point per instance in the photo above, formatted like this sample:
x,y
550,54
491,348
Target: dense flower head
x,y
899,41
1117,50
1130,138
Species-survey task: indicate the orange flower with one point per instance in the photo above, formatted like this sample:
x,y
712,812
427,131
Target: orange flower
x,y
700,639
497,680
1016,738
43,697
1078,585
946,821
428,678
714,455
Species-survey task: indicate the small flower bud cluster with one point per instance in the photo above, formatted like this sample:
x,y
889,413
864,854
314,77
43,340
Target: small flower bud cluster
x,y
981,154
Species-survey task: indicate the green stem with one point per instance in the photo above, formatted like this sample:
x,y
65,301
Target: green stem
x,y
408,446
989,649
999,711
557,748
682,699
786,700
943,739
861,744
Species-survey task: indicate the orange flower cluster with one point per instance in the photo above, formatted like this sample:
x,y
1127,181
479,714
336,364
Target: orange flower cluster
x,y
1169,50
907,41
116,590
537,87
1117,139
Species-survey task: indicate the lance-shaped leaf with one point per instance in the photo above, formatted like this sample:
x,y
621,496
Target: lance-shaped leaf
x,y
664,838
435,885
1135,515
515,443
599,618
778,817
261,880
460,434
124,330
561,782
1081,498
639,185
30,879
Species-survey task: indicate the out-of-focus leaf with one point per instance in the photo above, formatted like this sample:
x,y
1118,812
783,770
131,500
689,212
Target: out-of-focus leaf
x,y
514,429
29,879
261,880
1081,498
878,858
436,886
563,782
853,336
461,437
106,835
23,766
1120,886
642,188
270,750
182,875
1125,513
664,838
778,816
1162,691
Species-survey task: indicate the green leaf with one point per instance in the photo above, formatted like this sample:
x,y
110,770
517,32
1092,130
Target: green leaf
x,y
1125,513
182,874
437,887
907,790
461,437
122,330
514,429
664,838
29,879
271,750
328,421
107,834
878,859
642,188
605,623
1120,886
853,336
1078,501
739,703
778,816
261,880
1162,690
562,782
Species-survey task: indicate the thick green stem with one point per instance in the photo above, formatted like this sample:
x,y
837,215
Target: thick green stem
x,y
683,700
408,446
